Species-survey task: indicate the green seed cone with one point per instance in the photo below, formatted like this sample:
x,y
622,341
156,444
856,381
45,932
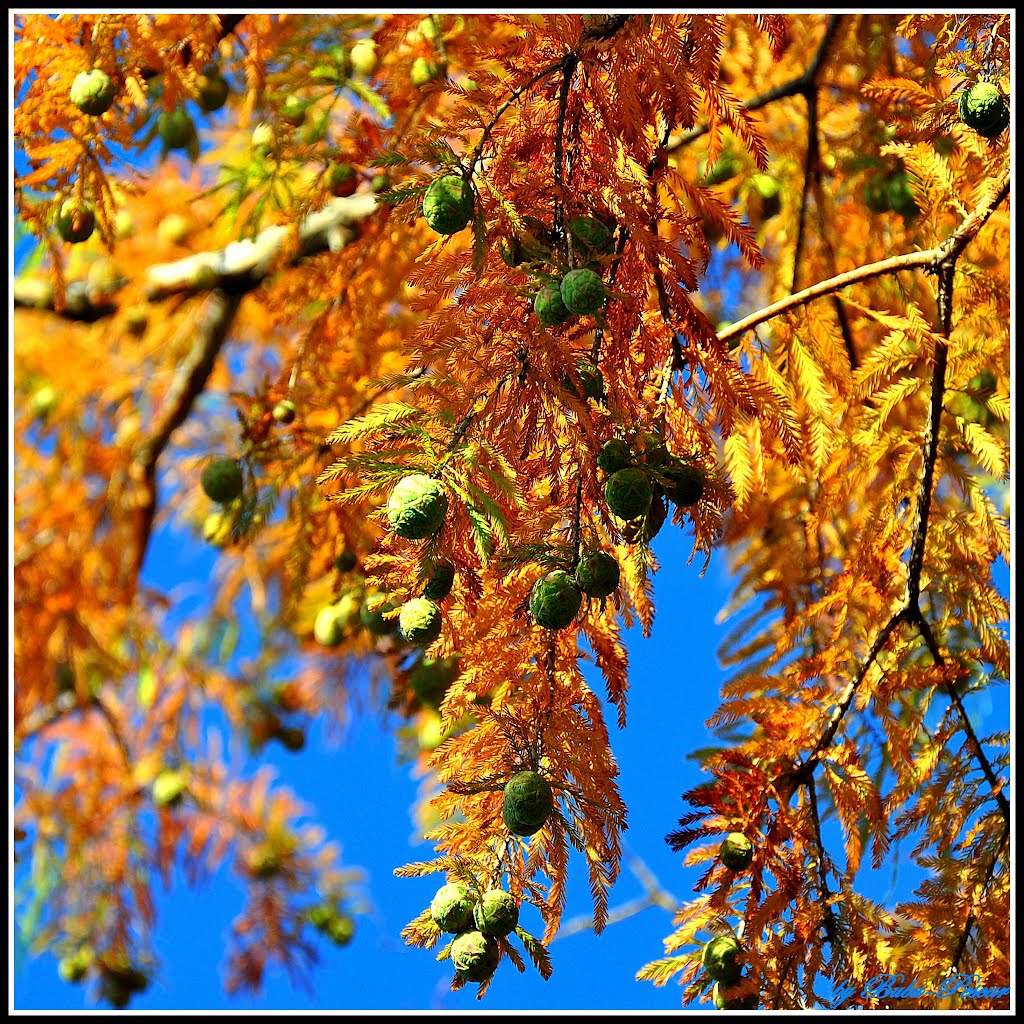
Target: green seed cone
x,y
293,111
340,929
597,574
213,91
417,507
430,679
901,198
439,586
169,787
475,955
262,139
364,57
448,204
423,71
725,167
342,180
614,455
555,600
75,221
723,1001
92,92
176,128
591,232
719,959
736,851
284,411
591,379
528,803
452,907
65,677
345,562
222,480
374,621
876,193
983,108
983,384
511,252
549,307
628,493
497,913
654,451
687,485
74,967
582,291
420,621
764,200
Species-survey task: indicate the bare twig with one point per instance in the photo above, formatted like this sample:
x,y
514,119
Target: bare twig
x,y
794,87
189,382
238,267
654,896
928,259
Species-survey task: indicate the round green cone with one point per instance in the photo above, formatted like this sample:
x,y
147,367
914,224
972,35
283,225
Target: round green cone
x,y
222,480
475,955
555,600
417,507
452,907
527,804
420,621
736,851
582,291
597,574
628,493
448,204
497,913
719,959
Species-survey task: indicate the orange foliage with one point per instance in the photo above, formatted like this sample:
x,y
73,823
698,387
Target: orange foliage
x,y
852,447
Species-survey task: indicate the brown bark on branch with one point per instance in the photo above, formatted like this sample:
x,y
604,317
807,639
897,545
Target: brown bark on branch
x,y
794,87
238,267
188,384
928,259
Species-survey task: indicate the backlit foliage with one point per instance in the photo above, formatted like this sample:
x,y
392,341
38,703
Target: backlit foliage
x,y
822,363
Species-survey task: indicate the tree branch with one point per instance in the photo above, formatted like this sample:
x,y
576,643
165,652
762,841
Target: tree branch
x,y
929,258
942,259
794,87
971,919
188,384
238,267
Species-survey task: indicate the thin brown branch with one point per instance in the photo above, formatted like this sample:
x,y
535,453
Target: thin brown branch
x,y
568,66
943,260
929,259
188,384
971,919
238,267
829,917
811,158
794,87
916,618
516,93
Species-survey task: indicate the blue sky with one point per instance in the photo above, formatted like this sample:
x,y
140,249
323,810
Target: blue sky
x,y
673,691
